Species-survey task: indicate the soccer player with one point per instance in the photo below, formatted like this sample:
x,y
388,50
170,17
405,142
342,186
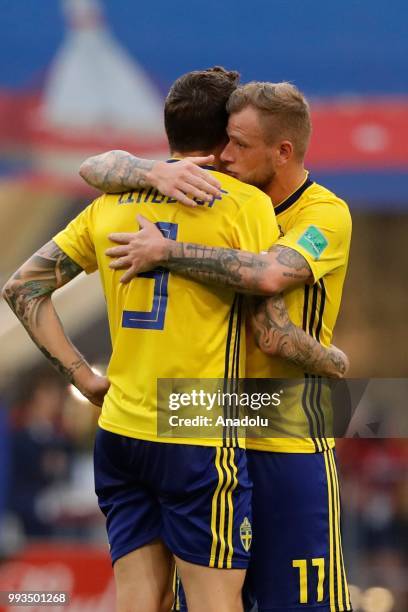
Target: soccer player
x,y
187,497
297,560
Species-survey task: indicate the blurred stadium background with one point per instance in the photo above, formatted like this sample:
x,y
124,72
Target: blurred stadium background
x,y
79,77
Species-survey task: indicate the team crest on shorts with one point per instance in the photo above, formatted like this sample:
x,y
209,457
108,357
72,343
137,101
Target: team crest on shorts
x,y
245,532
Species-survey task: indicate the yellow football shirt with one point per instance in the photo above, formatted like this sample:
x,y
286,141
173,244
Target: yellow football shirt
x,y
317,224
163,326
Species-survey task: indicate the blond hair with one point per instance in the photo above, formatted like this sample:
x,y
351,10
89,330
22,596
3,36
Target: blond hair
x,y
283,109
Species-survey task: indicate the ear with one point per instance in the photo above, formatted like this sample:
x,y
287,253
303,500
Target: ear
x,y
285,152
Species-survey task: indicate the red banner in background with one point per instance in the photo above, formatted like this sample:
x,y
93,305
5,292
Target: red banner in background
x,y
85,573
347,135
359,135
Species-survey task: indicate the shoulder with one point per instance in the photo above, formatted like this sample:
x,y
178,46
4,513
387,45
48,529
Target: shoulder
x,y
326,205
101,205
108,199
317,194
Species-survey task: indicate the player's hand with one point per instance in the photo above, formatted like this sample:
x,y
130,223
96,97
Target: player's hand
x,y
138,252
185,180
94,388
339,363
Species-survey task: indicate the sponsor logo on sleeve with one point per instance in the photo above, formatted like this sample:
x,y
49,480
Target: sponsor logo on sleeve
x,y
313,241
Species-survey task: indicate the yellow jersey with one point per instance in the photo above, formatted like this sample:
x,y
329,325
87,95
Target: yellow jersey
x,y
317,224
164,326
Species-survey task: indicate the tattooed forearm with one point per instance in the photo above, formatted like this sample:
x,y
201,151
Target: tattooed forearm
x,y
116,171
218,266
275,334
28,294
67,372
240,270
37,278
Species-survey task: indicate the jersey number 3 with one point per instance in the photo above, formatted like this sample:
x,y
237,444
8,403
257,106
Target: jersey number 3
x,y
154,318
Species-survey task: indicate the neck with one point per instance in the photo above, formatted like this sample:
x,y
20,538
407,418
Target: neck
x,y
286,183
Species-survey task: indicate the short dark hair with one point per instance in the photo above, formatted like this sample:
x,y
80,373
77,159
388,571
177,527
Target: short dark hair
x,y
195,114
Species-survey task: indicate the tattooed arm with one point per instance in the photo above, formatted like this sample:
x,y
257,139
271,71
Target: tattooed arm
x,y
119,171
28,293
269,274
275,334
116,171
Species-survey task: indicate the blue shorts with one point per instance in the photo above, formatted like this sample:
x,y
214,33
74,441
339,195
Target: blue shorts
x,y
196,499
296,556
297,560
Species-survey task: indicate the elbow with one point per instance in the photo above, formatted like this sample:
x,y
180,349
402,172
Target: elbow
x,y
85,170
340,365
345,367
7,293
5,289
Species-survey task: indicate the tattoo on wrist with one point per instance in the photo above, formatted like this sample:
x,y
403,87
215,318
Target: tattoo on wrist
x,y
67,372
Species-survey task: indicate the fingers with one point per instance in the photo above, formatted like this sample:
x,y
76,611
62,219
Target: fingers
x,y
120,263
204,179
192,171
193,165
119,251
196,192
131,273
121,237
125,263
186,181
146,223
186,192
200,182
203,160
184,199
199,189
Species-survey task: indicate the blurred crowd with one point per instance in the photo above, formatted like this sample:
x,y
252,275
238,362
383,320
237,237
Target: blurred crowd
x,y
374,490
46,484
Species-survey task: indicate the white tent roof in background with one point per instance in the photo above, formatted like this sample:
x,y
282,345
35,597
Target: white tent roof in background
x,y
94,84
